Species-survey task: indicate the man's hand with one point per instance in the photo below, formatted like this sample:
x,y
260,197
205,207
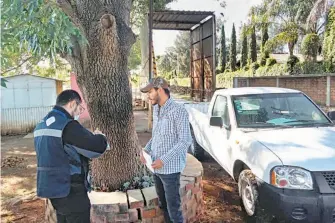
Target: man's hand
x,y
142,158
157,164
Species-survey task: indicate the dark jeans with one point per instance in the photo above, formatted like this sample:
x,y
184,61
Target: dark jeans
x,y
75,208
167,187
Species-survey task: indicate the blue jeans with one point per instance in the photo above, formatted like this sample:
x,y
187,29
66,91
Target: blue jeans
x,y
167,187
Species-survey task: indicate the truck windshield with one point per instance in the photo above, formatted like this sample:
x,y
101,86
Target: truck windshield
x,y
271,110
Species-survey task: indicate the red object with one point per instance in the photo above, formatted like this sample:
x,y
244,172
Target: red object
x,y
283,183
74,86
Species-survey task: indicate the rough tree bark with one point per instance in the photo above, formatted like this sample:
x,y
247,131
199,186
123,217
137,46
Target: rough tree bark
x,y
102,75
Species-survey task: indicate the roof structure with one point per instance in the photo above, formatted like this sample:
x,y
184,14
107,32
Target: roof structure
x,y
8,77
178,20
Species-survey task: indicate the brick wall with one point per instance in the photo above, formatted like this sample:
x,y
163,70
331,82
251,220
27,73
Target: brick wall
x,y
332,90
142,205
263,82
320,88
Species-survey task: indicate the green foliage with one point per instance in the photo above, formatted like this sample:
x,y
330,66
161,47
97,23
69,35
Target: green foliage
x,y
176,58
265,37
140,11
254,66
244,51
310,46
233,50
262,61
253,46
135,55
223,55
264,53
270,62
184,82
275,70
291,62
60,69
135,79
329,42
225,80
308,67
35,28
138,183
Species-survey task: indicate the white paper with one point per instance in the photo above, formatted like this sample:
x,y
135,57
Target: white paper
x,y
148,160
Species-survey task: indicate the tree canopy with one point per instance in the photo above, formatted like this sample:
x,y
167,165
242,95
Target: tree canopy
x,y
38,30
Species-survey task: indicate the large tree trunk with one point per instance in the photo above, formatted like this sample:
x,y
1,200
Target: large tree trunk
x,y
102,74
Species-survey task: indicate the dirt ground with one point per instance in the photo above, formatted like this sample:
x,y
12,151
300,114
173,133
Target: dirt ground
x,y
19,178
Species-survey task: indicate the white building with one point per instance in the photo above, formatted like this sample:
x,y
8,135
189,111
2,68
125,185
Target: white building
x,y
25,101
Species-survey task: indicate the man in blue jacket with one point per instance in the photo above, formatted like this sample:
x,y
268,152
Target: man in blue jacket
x,y
63,148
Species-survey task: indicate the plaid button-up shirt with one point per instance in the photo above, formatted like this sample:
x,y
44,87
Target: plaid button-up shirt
x,y
171,137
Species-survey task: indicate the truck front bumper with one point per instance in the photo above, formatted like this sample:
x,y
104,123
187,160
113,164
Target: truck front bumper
x,y
298,205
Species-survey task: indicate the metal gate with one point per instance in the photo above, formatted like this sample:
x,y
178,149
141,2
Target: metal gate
x,y
203,39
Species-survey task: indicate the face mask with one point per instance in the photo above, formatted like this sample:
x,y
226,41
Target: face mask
x,y
76,117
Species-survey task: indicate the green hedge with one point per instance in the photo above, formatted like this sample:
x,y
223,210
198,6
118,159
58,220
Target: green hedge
x,y
225,80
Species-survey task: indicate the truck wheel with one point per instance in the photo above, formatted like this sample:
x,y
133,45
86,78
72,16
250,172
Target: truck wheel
x,y
198,151
248,191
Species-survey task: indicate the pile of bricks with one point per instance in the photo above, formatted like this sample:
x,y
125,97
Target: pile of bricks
x,y
142,205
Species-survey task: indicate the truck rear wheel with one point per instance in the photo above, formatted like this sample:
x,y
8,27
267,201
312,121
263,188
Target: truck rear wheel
x,y
198,151
248,191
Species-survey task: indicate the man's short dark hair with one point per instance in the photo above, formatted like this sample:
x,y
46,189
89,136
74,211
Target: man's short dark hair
x,y
167,91
67,96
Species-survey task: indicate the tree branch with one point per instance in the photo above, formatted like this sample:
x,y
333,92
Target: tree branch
x,y
68,9
14,68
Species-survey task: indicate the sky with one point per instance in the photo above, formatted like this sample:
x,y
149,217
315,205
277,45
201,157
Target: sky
x,y
236,11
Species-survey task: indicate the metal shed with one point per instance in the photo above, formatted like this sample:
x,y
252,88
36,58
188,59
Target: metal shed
x,y
26,100
202,26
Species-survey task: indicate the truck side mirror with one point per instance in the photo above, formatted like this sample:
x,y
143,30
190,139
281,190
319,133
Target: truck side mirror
x,y
331,115
216,121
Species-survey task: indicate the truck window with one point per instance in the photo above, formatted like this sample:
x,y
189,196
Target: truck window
x,y
270,110
220,109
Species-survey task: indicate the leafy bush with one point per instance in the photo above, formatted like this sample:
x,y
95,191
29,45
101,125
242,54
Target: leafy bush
x,y
309,46
309,68
138,183
275,70
184,82
254,66
270,62
263,61
225,80
329,42
291,62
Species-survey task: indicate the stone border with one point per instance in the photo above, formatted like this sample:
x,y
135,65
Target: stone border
x,y
142,205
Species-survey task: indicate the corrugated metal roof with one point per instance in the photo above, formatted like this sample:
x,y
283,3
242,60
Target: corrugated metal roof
x,y
178,20
50,78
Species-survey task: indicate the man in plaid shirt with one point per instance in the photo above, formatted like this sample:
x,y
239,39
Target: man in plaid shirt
x,y
171,138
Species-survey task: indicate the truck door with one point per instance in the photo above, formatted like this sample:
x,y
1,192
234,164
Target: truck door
x,y
219,137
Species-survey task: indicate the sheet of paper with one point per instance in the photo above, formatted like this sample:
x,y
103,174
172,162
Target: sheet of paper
x,y
148,160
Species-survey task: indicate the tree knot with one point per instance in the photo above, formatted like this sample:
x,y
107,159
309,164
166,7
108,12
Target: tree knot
x,y
107,21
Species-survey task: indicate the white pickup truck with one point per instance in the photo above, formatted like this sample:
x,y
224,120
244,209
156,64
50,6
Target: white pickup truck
x,y
277,144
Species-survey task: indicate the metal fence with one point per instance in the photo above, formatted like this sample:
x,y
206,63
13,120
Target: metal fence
x,y
21,120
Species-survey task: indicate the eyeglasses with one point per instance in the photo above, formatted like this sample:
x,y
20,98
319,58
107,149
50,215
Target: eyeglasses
x,y
81,108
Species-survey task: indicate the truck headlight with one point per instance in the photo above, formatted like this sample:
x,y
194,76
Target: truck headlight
x,y
291,178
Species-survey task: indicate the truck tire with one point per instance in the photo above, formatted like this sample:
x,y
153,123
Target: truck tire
x,y
248,191
198,151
